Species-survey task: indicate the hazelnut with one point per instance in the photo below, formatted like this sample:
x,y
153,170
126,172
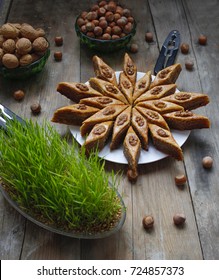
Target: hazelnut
x,y
35,108
98,31
90,26
103,23
127,28
126,13
58,56
109,16
91,15
149,37
10,61
148,222
80,21
23,46
18,95
179,219
116,30
9,46
40,44
106,36
101,12
202,40
58,41
207,162
184,48
189,65
180,179
133,48
25,59
9,31
122,21
102,3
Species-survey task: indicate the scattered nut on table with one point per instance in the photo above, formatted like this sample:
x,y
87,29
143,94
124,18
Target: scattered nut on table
x,y
58,56
180,179
184,48
18,95
179,219
202,39
35,108
148,222
58,41
189,65
207,162
149,37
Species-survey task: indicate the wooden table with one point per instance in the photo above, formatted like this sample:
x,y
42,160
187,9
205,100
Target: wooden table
x,y
155,191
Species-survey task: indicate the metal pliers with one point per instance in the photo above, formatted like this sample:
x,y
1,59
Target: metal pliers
x,y
5,115
168,51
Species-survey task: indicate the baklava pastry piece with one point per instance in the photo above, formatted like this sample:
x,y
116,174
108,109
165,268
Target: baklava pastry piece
x,y
100,101
98,136
142,85
140,126
161,106
131,149
103,70
108,113
120,128
152,117
130,69
157,93
167,75
107,89
188,100
164,142
77,91
73,114
126,87
183,120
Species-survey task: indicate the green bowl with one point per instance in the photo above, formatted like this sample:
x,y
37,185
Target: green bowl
x,y
105,46
23,72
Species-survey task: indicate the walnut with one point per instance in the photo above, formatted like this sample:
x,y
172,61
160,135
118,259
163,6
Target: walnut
x,y
10,61
27,31
122,119
40,44
2,39
23,46
133,140
9,31
40,32
9,46
1,54
26,59
100,129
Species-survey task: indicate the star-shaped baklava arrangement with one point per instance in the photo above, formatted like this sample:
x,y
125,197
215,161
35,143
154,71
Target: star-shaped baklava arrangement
x,y
129,111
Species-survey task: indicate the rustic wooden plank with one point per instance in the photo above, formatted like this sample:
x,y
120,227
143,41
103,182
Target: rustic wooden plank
x,y
57,18
203,18
4,10
159,196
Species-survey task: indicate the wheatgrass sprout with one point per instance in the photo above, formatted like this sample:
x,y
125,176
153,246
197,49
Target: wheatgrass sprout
x,y
54,182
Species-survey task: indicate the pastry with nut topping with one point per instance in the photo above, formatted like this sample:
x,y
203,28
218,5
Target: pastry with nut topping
x,y
138,110
77,91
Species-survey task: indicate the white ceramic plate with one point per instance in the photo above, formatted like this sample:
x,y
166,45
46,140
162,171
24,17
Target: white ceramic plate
x,y
145,156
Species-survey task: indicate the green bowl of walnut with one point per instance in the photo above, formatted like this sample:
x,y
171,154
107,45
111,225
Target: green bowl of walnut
x,y
24,50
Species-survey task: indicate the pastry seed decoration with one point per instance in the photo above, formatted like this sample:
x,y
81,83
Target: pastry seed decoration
x,y
127,112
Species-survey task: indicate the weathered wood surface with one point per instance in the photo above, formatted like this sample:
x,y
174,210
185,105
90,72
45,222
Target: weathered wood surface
x,y
155,191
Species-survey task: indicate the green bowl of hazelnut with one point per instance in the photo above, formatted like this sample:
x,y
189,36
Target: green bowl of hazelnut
x,y
24,50
106,27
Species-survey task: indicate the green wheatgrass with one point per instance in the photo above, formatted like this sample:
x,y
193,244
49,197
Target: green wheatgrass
x,y
51,180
